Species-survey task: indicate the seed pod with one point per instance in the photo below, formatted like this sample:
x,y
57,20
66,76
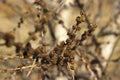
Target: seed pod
x,y
82,12
78,20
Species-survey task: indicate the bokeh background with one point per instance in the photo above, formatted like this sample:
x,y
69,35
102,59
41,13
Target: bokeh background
x,y
105,13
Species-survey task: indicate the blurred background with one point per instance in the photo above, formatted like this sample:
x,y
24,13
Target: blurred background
x,y
104,13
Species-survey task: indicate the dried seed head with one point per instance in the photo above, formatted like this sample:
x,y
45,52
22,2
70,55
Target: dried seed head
x,y
78,20
83,19
82,12
44,19
20,22
61,22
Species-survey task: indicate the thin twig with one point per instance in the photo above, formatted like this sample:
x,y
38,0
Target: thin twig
x,y
33,65
19,68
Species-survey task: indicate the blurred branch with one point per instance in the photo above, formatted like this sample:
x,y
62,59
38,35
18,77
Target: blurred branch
x,y
116,43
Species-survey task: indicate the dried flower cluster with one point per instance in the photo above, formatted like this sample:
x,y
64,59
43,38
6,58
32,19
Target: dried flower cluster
x,y
67,56
62,55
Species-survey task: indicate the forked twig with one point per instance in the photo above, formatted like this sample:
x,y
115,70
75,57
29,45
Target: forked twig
x,y
33,65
